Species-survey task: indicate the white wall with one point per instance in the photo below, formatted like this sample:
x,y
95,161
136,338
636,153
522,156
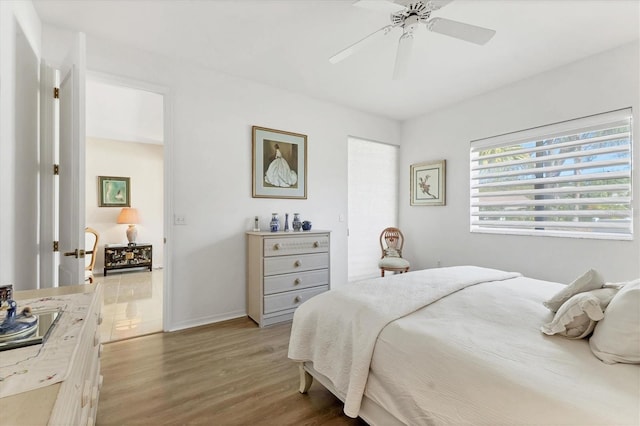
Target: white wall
x,y
210,153
601,83
143,164
20,31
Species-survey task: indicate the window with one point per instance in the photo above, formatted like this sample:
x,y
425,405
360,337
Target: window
x,y
569,179
373,203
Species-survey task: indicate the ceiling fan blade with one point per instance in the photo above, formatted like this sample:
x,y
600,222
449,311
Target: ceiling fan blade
x,y
403,56
467,32
381,5
436,4
345,53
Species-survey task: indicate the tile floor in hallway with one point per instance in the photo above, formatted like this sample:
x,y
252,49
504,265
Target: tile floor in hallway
x,y
132,304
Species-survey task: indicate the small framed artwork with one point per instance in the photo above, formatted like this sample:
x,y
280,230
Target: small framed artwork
x,y
428,183
279,164
114,191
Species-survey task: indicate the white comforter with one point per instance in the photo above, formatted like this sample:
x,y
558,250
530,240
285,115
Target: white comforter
x,y
337,330
478,357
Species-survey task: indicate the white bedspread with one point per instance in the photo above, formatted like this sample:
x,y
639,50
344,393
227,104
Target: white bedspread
x,y
477,357
360,311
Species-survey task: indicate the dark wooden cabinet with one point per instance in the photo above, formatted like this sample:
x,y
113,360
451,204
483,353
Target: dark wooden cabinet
x,y
123,256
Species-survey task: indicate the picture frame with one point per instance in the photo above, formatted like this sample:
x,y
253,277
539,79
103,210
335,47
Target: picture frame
x,y
428,183
114,191
279,161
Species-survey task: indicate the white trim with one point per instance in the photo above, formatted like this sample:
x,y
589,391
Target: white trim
x,y
552,130
208,320
48,207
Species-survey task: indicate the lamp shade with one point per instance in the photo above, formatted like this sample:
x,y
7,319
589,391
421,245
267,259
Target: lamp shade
x,y
128,215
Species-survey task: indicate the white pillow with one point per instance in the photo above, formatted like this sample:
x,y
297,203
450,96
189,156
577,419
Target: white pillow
x,y
577,317
617,337
588,281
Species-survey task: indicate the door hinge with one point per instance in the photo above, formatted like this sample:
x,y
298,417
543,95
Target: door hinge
x,y
56,93
56,169
55,246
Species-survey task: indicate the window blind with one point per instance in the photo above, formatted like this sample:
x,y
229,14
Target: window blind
x,y
570,179
373,203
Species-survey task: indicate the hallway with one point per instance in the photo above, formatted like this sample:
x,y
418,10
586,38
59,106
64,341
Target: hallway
x,y
132,304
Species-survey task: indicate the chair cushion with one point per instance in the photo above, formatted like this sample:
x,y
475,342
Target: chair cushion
x,y
393,262
392,252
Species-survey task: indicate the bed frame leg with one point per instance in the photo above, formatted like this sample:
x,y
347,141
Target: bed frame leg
x,y
306,379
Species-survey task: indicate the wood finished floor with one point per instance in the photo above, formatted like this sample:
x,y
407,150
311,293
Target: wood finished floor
x,y
230,373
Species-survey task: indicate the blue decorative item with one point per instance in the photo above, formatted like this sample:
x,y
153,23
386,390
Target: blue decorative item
x,y
275,222
17,326
297,225
306,225
286,222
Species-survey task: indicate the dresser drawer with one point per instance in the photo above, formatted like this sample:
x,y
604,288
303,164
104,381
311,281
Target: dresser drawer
x,y
297,281
296,245
291,264
290,299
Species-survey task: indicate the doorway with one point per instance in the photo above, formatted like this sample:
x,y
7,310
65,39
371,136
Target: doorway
x,y
373,202
125,143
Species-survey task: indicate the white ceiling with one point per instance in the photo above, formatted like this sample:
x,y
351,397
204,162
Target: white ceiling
x,y
124,114
287,43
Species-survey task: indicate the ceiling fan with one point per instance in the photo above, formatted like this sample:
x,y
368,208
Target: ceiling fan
x,y
407,14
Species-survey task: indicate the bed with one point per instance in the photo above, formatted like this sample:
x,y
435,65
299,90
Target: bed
x,y
454,346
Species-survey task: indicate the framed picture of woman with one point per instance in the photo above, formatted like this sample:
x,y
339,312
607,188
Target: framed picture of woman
x,y
279,164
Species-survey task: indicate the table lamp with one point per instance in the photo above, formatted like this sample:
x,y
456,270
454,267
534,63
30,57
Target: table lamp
x,y
129,216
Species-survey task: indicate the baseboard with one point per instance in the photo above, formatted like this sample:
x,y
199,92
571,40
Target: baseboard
x,y
206,320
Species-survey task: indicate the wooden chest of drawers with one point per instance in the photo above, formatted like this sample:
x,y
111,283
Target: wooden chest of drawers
x,y
283,270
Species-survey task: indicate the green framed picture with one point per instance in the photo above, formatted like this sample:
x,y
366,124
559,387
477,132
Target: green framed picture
x,y
114,191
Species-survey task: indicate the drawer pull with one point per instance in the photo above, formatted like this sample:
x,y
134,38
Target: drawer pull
x,y
298,299
276,246
296,281
316,244
100,318
297,263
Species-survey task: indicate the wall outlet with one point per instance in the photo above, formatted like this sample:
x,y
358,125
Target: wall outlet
x,y
179,219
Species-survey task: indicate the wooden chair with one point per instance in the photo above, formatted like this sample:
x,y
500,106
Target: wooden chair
x,y
91,238
391,242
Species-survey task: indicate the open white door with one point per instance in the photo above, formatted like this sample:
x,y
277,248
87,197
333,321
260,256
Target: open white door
x,y
72,164
48,188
